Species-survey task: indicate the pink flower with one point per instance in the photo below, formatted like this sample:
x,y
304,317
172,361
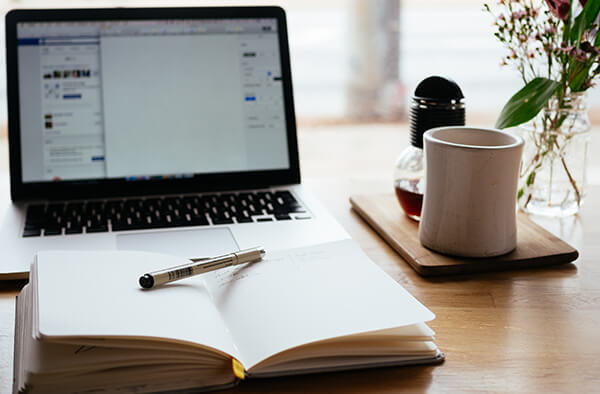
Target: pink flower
x,y
559,8
566,48
578,54
590,35
587,47
518,14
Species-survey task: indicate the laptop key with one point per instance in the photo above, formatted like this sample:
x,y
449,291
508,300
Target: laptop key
x,y
52,231
175,221
295,207
282,216
264,219
97,228
119,226
74,230
52,223
221,220
199,220
270,208
35,214
252,210
285,196
153,221
138,225
121,223
32,227
32,232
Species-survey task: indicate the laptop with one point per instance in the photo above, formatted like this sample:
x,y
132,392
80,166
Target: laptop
x,y
162,129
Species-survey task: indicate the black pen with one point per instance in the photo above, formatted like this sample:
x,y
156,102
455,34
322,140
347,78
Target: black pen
x,y
200,266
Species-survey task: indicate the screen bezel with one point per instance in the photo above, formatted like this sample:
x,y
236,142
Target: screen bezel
x,y
100,188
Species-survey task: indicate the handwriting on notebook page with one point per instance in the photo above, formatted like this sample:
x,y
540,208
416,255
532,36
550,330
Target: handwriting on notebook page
x,y
272,264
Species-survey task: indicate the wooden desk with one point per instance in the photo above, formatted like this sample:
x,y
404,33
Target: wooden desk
x,y
525,331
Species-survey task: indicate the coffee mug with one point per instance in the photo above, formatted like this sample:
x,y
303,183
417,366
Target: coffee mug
x,y
469,203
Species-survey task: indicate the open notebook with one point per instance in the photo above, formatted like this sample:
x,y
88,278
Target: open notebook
x,y
83,323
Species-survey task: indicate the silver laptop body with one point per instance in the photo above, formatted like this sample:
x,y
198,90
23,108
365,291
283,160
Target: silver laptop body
x,y
168,129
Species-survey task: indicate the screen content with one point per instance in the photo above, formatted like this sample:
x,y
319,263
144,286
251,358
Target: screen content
x,y
150,99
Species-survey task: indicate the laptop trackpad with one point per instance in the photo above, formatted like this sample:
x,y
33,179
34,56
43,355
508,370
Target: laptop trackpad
x,y
183,243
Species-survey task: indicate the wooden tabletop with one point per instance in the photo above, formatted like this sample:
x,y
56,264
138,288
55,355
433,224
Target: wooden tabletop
x,y
521,331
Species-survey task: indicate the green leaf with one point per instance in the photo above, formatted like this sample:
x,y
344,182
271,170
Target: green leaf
x,y
580,77
526,103
584,20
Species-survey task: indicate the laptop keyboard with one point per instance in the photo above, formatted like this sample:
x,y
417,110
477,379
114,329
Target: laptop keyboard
x,y
161,212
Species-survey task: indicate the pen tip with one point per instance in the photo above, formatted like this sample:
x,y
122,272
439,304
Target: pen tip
x,y
146,281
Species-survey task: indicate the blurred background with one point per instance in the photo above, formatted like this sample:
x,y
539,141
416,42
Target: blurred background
x,y
359,61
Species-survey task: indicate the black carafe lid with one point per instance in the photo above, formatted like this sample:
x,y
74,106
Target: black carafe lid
x,y
437,102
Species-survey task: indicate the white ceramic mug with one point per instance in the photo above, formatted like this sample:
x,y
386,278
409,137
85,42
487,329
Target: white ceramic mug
x,y
469,204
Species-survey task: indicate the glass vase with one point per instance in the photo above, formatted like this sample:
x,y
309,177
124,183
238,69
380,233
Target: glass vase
x,y
553,172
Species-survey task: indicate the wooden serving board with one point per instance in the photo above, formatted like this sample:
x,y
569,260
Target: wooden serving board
x,y
536,246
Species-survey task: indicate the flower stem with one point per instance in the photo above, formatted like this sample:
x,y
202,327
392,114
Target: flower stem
x,y
571,179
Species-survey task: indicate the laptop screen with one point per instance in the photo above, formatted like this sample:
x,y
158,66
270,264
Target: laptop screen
x,y
150,99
